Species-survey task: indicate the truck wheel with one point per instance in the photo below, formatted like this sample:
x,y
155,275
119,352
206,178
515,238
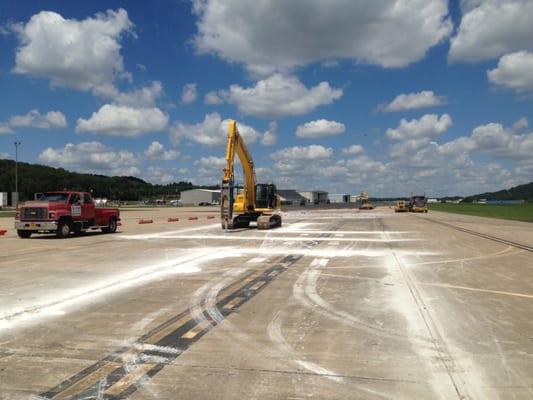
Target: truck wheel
x,y
111,227
63,229
23,234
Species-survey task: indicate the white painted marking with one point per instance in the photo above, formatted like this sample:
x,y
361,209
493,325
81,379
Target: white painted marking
x,y
66,300
256,260
278,238
334,243
158,235
319,262
274,333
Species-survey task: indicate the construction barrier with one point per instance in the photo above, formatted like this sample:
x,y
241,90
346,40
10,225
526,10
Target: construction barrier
x,y
3,232
210,217
173,220
146,221
193,218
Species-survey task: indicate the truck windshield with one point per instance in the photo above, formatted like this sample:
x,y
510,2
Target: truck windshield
x,y
57,197
419,200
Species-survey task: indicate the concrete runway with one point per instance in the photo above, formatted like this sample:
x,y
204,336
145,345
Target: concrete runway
x,y
336,304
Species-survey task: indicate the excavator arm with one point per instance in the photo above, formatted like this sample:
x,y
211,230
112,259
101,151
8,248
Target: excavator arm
x,y
235,144
246,205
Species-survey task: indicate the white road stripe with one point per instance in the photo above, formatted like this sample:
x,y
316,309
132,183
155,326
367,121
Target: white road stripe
x,y
256,260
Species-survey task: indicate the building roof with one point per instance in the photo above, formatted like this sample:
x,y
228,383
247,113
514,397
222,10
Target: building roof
x,y
290,195
202,190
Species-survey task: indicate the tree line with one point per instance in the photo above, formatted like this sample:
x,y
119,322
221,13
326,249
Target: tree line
x,y
35,178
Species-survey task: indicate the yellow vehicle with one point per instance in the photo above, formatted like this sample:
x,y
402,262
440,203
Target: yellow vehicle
x,y
256,201
401,206
418,204
366,205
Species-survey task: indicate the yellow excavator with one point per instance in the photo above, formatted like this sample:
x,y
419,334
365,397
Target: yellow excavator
x,y
257,202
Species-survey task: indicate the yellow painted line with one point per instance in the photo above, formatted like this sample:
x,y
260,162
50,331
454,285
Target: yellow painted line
x,y
86,382
233,303
258,285
527,296
235,287
191,334
129,379
157,336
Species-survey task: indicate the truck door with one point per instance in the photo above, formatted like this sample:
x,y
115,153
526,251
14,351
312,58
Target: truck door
x,y
75,206
87,207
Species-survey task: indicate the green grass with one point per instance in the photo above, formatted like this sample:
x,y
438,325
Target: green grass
x,y
7,214
518,212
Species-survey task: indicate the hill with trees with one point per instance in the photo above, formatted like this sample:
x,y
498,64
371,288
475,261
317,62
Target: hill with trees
x,y
521,192
34,178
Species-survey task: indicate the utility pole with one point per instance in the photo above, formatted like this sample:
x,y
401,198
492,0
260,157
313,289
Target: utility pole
x,y
17,144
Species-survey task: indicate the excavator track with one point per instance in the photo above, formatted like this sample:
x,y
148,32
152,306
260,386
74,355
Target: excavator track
x,y
268,221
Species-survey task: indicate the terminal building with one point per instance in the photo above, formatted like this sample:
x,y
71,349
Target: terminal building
x,y
339,198
195,197
315,196
292,197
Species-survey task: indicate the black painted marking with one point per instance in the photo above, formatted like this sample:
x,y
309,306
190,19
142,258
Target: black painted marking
x,y
174,340
479,234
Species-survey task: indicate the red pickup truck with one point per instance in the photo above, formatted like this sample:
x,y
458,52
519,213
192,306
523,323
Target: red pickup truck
x,y
63,213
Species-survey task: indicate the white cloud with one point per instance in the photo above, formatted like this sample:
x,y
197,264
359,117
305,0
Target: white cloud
x,y
413,101
366,164
5,128
80,54
208,170
320,128
34,119
164,176
142,97
91,157
311,152
522,123
354,149
405,148
211,161
514,71
189,93
115,120
280,96
495,139
491,28
5,156
212,131
156,151
213,97
270,137
280,35
429,125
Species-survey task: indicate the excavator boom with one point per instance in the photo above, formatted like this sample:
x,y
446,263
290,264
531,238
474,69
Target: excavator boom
x,y
256,202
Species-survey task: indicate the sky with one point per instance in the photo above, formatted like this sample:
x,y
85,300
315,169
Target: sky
x,y
389,96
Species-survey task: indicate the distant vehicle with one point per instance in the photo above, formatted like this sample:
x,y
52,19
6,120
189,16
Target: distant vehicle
x,y
401,206
204,203
366,205
176,203
63,213
418,204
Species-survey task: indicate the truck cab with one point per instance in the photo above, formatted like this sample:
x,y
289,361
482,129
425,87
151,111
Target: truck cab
x,y
63,213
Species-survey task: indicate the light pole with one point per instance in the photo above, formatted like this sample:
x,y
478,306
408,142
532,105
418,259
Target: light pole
x,y
17,144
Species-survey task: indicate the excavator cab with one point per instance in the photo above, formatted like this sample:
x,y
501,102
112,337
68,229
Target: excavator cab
x,y
265,195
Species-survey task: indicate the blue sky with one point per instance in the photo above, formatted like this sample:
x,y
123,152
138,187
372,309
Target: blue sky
x,y
424,96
